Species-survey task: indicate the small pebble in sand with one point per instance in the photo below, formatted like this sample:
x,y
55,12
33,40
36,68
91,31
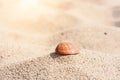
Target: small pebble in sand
x,y
105,33
67,48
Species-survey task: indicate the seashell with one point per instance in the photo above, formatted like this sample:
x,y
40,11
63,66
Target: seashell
x,y
67,48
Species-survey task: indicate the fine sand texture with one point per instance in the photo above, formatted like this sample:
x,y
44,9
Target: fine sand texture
x,y
31,29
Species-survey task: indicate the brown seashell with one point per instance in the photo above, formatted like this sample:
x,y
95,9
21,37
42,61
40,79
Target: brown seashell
x,y
67,48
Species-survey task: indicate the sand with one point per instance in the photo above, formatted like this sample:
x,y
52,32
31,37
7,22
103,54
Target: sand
x,y
30,31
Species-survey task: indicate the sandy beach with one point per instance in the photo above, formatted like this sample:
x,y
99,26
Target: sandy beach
x,y
31,29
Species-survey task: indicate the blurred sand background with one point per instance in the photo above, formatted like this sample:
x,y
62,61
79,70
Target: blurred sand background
x,y
31,29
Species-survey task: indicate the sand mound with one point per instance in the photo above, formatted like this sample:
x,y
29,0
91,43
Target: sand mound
x,y
88,65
